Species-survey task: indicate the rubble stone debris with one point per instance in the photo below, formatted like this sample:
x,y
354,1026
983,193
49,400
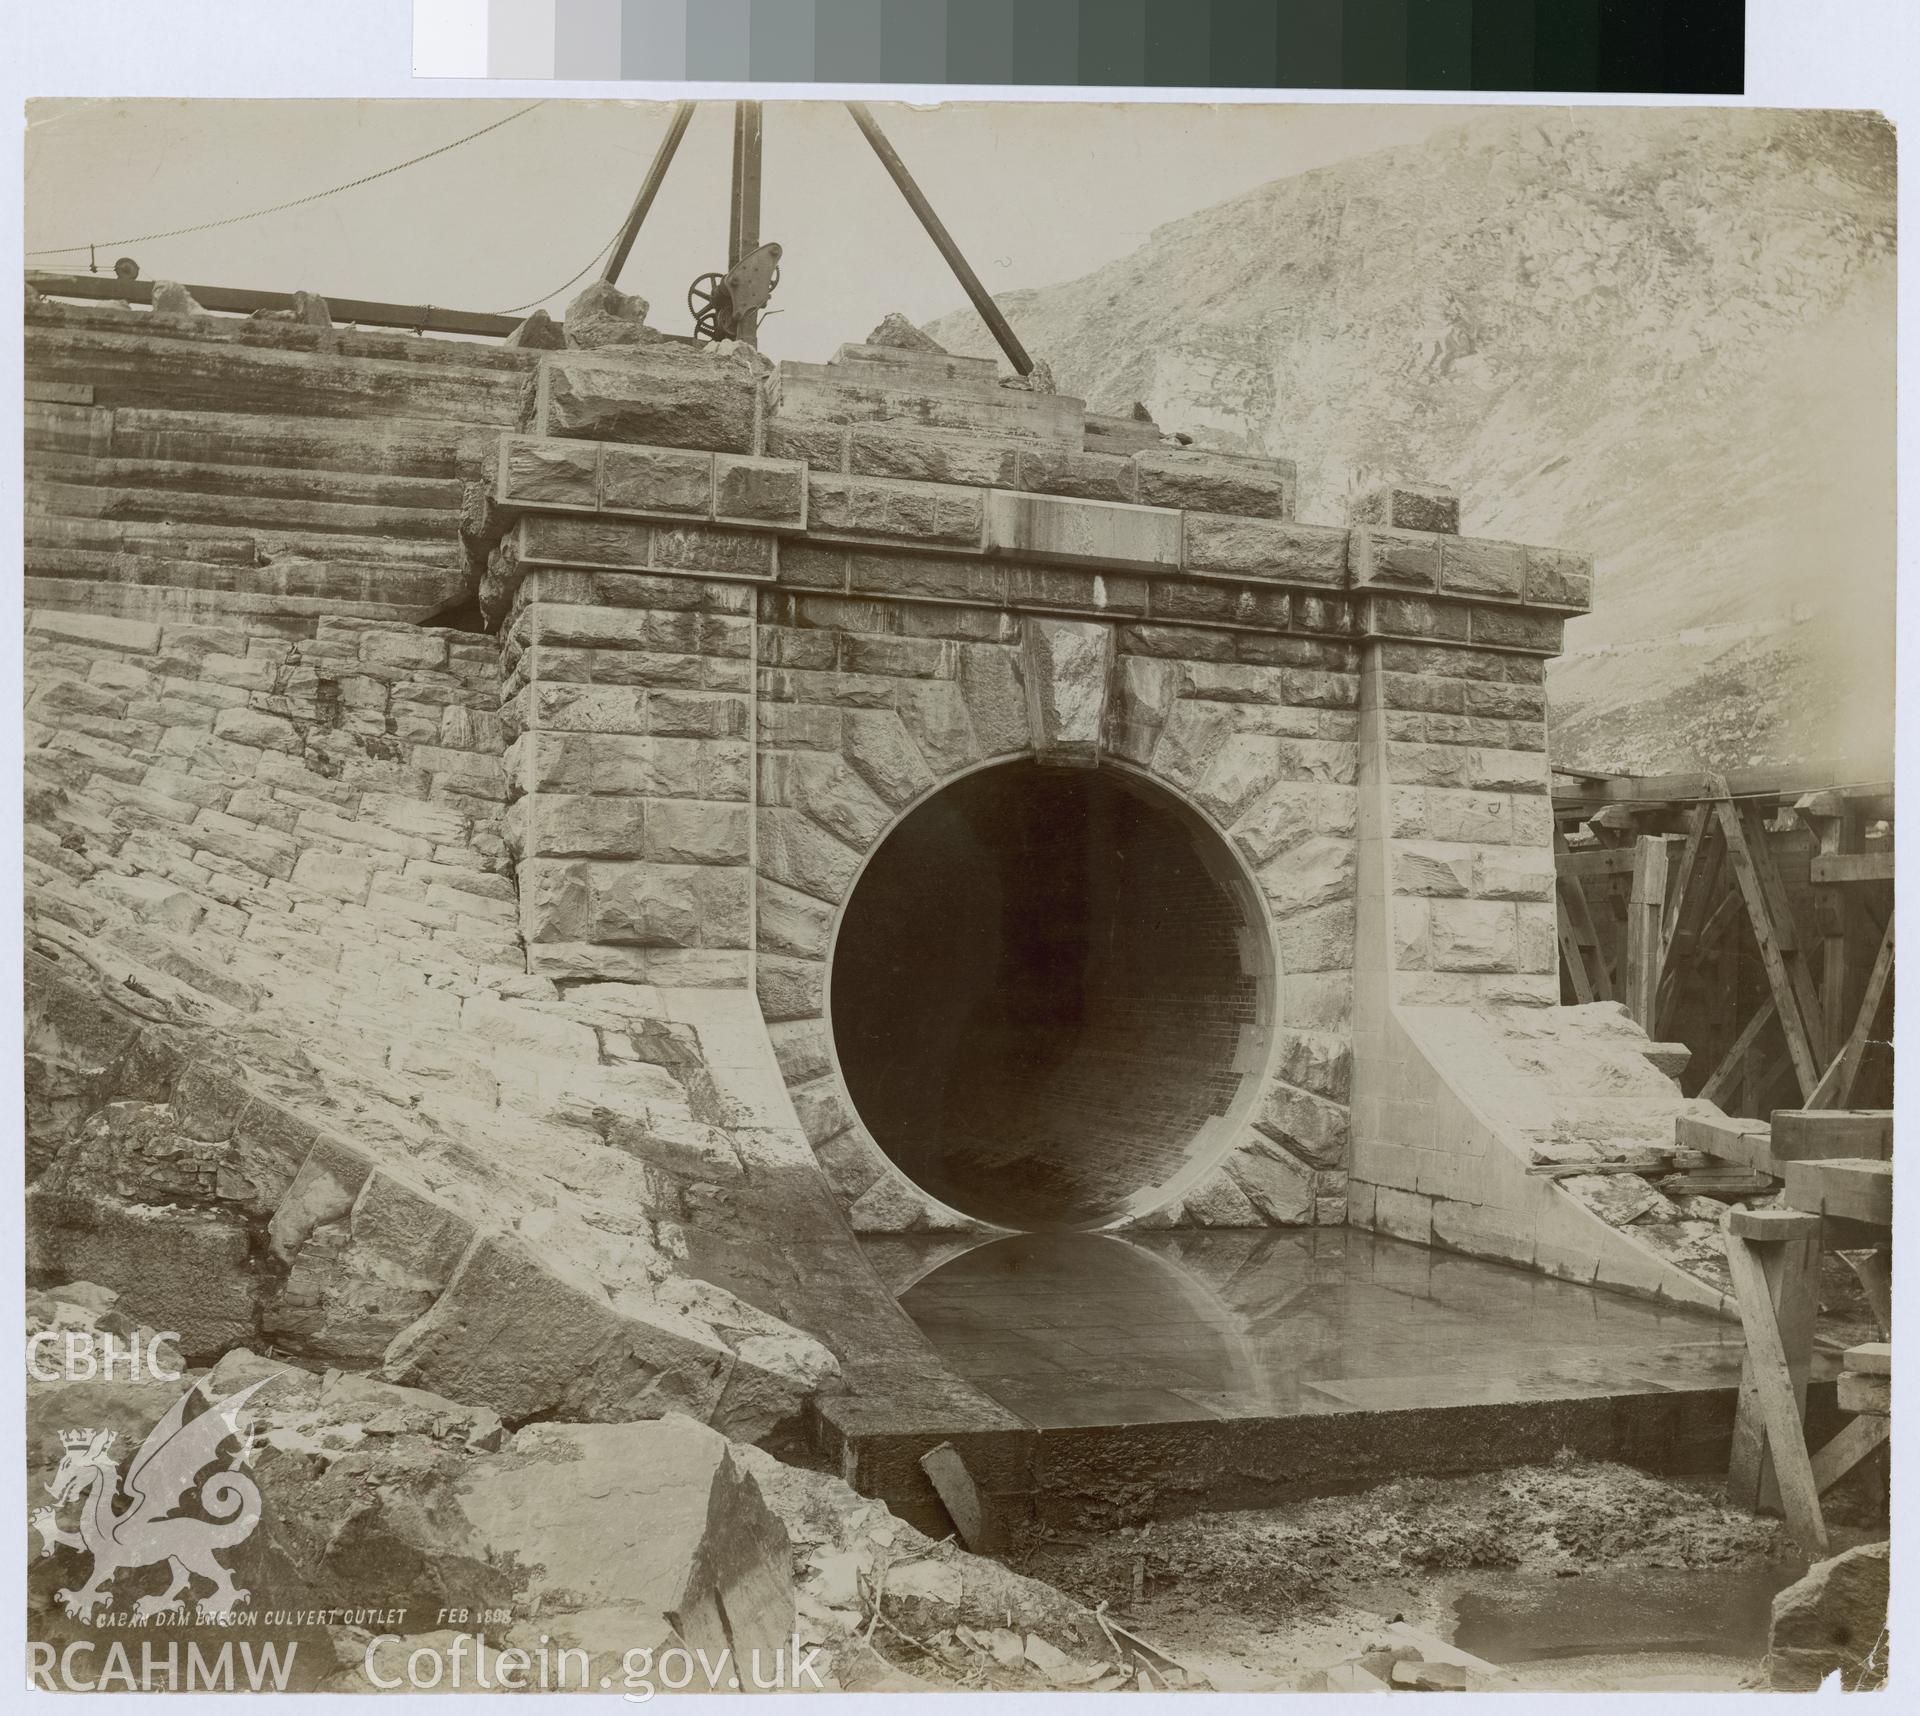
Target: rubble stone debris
x,y
896,331
604,316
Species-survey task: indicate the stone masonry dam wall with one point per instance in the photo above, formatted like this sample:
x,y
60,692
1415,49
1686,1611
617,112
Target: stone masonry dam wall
x,y
467,791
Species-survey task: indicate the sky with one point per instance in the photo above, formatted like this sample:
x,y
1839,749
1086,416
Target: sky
x,y
1033,194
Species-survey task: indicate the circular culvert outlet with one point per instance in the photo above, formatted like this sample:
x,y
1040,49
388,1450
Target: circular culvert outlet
x,y
1049,995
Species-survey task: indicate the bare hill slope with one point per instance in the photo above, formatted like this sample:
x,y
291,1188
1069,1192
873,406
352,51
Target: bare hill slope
x,y
1664,336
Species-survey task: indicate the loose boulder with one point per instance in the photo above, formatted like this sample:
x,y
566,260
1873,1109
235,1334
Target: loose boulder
x,y
1833,1620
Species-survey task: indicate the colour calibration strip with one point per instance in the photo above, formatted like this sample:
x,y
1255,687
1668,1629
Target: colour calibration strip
x,y
1677,47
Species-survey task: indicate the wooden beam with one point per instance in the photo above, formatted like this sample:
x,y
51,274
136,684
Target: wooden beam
x,y
743,229
243,300
1775,1278
1699,820
1835,1089
977,294
649,189
1796,1001
1698,916
1646,913
1592,863
1733,1062
1849,776
960,1496
1850,1188
1572,955
1855,1440
1841,869
1573,899
1811,1135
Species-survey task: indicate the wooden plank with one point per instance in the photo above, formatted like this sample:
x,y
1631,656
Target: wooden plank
x,y
1835,1088
1847,775
1580,916
1853,1443
1770,1446
1700,916
1796,1001
1852,1190
1699,820
1805,1135
1572,956
1733,1063
1646,913
1842,869
958,1494
1869,1358
1726,1138
1600,863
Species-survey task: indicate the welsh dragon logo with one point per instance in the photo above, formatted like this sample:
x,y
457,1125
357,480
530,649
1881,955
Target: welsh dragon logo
x,y
149,1529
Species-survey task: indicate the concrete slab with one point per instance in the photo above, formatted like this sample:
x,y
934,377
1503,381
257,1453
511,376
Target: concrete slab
x,y
1186,1369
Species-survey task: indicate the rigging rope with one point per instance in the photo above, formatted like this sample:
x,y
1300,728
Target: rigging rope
x,y
296,202
564,284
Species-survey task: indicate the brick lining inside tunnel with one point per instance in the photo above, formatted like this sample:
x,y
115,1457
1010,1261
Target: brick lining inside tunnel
x,y
1048,992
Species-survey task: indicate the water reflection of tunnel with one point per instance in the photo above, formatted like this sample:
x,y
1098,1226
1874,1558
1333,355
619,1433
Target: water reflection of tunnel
x,y
1047,994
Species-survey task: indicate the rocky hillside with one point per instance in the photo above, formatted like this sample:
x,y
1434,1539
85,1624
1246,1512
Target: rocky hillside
x,y
1663,336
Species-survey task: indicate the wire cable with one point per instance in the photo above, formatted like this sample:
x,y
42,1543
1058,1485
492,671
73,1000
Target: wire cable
x,y
532,303
294,203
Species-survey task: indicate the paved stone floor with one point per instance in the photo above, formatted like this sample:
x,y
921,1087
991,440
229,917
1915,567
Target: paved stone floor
x,y
1076,1329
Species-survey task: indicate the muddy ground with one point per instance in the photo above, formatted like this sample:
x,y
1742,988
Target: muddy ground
x,y
1574,1575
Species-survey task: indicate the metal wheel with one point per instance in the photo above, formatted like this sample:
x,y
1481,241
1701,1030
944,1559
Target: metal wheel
x,y
703,301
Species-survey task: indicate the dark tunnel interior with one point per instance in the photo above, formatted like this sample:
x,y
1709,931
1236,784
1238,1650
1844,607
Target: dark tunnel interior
x,y
1042,993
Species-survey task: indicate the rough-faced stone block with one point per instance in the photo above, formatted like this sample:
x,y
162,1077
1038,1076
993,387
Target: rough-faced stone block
x,y
1317,940
1317,872
1082,532
1513,873
1412,617
1556,578
556,825
1216,482
891,510
688,831
1537,927
1278,1187
760,491
1471,935
1069,668
1408,506
660,394
1433,867
821,447
539,470
609,764
714,551
1471,567
1499,628
1509,771
656,480
550,540
1398,559
1264,548
1089,476
1409,933
929,458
